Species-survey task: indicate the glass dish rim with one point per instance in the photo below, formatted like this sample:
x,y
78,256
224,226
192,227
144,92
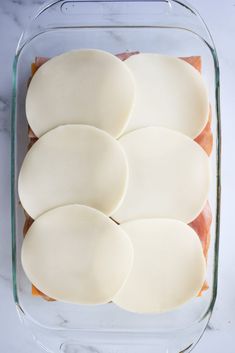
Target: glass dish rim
x,y
20,47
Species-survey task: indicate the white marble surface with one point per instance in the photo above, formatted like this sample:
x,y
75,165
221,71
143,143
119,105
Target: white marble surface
x,y
220,17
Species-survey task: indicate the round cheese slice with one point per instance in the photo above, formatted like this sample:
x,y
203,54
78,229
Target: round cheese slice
x,y
73,164
169,93
169,176
77,254
168,268
90,87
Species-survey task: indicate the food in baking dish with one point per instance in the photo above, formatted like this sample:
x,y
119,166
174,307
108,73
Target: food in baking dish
x,y
89,87
169,93
168,262
73,254
73,164
165,142
166,169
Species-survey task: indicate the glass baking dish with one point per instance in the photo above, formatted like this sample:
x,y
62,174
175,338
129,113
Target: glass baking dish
x,y
168,27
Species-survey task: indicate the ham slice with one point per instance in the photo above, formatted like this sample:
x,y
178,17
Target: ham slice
x,y
126,55
202,225
205,139
195,61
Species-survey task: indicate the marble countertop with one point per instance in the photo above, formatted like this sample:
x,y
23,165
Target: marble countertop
x,y
220,17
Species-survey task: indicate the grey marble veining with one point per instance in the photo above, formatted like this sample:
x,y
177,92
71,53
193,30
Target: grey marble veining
x,y
14,15
4,119
4,105
62,321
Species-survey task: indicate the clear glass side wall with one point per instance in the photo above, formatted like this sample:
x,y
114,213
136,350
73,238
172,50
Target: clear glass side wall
x,y
162,13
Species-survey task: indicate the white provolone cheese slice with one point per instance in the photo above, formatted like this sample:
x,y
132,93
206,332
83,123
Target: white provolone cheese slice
x,y
168,268
169,93
89,87
73,164
77,254
169,176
